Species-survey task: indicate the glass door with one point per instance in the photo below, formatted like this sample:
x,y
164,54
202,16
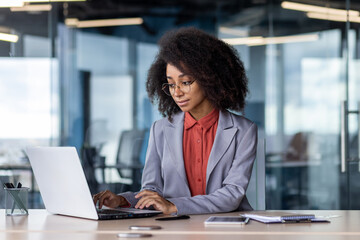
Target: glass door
x,y
350,129
303,71
303,100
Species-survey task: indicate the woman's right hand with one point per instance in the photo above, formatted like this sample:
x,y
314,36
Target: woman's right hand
x,y
109,199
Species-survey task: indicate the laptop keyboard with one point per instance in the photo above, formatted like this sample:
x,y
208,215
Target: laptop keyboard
x,y
108,214
110,211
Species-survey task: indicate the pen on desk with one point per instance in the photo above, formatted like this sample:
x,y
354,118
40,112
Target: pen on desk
x,y
19,185
10,185
178,217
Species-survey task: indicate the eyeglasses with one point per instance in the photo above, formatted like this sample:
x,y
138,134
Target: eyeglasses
x,y
169,88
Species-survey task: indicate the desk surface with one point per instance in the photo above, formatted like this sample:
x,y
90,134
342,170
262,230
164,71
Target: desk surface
x,y
41,225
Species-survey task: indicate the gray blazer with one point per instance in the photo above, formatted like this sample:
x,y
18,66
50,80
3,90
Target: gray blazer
x,y
228,171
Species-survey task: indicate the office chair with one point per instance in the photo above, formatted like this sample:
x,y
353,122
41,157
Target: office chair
x,y
128,161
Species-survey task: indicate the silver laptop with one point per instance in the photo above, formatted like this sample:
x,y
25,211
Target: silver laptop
x,y
64,189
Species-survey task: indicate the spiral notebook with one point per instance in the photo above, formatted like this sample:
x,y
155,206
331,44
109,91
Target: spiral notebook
x,y
283,217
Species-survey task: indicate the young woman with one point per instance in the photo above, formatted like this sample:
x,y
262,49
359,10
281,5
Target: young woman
x,y
200,156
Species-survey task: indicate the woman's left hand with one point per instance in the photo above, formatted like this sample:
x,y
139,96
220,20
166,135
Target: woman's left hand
x,y
149,198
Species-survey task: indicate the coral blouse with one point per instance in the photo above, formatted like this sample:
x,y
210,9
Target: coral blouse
x,y
198,140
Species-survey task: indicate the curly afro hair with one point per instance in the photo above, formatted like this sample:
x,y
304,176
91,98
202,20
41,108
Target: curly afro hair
x,y
214,64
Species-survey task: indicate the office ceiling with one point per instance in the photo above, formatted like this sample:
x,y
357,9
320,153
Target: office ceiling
x,y
182,9
167,14
158,15
255,14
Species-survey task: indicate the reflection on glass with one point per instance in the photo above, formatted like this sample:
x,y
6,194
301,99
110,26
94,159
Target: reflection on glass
x,y
303,86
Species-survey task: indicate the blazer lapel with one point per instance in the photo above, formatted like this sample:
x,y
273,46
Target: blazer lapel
x,y
174,138
224,134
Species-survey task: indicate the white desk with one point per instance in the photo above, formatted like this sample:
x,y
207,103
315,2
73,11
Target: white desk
x,y
41,225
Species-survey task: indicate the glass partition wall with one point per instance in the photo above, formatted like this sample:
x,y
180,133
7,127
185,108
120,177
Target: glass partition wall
x,y
303,67
66,86
29,96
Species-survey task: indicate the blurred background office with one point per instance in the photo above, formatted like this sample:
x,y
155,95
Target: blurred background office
x,y
66,79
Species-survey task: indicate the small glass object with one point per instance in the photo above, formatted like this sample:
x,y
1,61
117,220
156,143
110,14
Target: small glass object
x,y
16,201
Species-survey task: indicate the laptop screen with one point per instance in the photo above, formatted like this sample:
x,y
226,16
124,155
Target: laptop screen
x,y
61,180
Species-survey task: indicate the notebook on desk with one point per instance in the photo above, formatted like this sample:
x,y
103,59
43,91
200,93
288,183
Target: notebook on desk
x,y
282,217
64,189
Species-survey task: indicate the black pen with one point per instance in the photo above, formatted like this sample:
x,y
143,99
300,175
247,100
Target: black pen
x,y
13,206
19,185
173,218
8,185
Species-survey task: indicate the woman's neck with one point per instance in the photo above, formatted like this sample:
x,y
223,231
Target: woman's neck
x,y
197,114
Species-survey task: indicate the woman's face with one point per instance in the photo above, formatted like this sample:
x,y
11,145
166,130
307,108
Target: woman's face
x,y
193,101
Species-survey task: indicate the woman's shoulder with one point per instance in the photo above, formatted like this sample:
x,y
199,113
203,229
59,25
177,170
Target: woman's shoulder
x,y
166,122
243,125
239,120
